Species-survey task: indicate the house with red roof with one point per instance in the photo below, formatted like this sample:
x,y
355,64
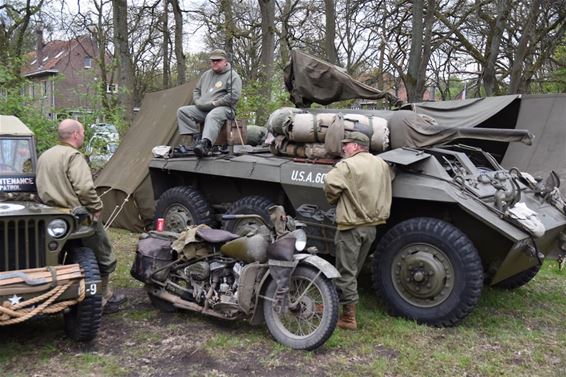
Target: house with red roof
x,y
64,77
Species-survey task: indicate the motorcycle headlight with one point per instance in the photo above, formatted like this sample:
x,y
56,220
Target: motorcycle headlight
x,y
57,228
300,239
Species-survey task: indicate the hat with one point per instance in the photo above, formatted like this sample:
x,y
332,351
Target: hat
x,y
358,138
218,54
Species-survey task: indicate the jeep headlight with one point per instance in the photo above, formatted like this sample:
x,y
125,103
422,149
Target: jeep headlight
x,y
300,239
57,228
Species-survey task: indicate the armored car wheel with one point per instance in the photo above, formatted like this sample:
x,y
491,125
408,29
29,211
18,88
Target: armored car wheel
x,y
311,316
520,279
428,270
253,204
181,206
83,320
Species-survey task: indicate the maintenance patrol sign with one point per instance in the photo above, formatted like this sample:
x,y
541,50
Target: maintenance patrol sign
x,y
17,184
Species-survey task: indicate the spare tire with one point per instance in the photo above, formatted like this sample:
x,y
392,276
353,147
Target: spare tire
x,y
181,206
253,204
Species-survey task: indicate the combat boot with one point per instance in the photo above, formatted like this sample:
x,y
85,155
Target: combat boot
x,y
347,320
202,147
110,301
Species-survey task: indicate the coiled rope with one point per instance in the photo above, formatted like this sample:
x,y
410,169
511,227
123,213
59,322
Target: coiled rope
x,y
11,314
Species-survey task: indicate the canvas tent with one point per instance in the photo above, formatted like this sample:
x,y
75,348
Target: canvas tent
x,y
124,183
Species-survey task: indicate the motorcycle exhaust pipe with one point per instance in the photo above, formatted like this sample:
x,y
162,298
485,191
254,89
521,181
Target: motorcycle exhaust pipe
x,y
184,304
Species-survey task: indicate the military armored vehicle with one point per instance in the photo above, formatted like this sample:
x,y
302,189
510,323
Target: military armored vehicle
x,y
44,269
459,220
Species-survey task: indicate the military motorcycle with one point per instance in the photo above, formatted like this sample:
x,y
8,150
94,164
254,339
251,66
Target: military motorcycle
x,y
262,275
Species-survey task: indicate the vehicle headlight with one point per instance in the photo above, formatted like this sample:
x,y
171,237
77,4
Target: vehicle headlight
x,y
300,239
57,228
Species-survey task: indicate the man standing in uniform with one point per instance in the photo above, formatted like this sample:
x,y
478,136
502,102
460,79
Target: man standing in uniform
x,y
214,98
360,187
64,180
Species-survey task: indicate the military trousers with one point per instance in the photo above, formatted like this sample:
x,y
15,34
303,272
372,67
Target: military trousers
x,y
352,248
188,118
100,244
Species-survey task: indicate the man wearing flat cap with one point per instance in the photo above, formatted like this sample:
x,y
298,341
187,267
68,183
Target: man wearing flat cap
x,y
214,101
360,187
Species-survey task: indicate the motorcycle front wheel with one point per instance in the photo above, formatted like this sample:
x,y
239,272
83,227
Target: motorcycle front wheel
x,y
311,313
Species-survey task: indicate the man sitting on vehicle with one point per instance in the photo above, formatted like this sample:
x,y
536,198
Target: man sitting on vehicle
x,y
214,98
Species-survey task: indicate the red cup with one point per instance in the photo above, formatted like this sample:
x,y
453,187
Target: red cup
x,y
160,224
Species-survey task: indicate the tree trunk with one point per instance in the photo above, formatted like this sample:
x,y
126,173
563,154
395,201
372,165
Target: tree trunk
x,y
122,56
426,49
415,53
522,48
229,27
267,8
330,35
179,55
494,42
165,45
284,48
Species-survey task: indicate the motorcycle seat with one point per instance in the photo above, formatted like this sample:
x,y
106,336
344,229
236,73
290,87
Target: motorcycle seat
x,y
216,235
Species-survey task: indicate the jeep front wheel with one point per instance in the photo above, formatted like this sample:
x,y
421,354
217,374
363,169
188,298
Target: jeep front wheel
x,y
428,270
83,320
181,206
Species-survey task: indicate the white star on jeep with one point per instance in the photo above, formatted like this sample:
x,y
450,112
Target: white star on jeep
x,y
15,300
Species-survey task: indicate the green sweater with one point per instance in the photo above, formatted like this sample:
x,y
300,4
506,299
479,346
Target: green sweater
x,y
222,88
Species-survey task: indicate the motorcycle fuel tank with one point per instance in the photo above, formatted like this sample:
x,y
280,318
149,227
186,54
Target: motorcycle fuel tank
x,y
247,249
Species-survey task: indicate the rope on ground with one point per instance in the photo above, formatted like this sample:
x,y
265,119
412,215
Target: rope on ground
x,y
115,213
11,314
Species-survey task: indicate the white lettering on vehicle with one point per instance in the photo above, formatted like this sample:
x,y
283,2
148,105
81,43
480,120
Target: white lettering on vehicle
x,y
308,177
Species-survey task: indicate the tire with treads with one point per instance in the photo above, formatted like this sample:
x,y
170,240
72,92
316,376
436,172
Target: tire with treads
x,y
181,206
82,321
313,320
427,270
253,204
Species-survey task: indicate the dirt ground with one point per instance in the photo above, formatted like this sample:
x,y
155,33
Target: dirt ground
x,y
141,341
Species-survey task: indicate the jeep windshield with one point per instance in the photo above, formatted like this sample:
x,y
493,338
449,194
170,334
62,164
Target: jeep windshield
x,y
15,156
17,166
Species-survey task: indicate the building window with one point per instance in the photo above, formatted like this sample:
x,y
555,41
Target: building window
x,y
88,62
112,88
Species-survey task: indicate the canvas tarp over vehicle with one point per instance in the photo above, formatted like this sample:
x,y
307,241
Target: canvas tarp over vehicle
x,y
542,115
124,182
309,80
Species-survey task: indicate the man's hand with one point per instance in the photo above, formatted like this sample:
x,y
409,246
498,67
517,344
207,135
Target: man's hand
x,y
204,106
96,215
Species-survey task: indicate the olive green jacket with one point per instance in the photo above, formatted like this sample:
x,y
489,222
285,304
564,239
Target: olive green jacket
x,y
360,187
64,179
223,88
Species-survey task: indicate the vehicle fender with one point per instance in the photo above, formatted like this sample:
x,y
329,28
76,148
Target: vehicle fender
x,y
321,264
317,262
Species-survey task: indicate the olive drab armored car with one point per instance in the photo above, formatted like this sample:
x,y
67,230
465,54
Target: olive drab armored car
x,y
44,269
459,220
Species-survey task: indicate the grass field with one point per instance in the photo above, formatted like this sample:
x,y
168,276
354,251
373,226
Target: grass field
x,y
510,333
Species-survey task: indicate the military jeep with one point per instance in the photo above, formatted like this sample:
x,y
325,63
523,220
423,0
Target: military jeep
x,y
459,220
44,269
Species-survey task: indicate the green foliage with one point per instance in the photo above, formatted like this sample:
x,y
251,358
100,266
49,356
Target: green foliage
x,y
559,75
13,103
251,99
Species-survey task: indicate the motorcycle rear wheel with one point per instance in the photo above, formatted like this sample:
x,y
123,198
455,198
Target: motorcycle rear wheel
x,y
309,323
